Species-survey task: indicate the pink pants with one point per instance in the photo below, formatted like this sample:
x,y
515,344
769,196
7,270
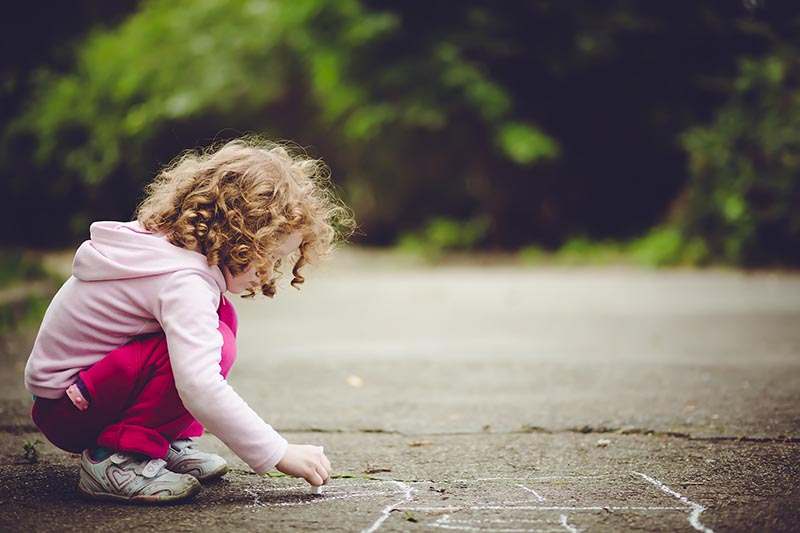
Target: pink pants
x,y
134,406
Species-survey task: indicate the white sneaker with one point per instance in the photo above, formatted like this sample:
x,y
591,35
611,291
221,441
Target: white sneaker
x,y
128,477
183,457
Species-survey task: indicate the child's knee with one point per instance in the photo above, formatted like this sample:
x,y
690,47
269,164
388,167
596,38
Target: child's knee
x,y
63,428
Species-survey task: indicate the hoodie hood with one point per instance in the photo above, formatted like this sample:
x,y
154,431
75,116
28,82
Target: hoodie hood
x,y
123,250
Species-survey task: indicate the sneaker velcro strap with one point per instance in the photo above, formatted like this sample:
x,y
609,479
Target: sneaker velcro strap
x,y
153,467
118,458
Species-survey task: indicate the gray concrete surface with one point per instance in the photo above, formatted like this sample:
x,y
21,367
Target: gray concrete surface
x,y
488,398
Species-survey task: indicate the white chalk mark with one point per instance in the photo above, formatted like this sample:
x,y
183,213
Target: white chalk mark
x,y
256,501
333,493
499,520
697,509
327,498
566,525
493,525
536,494
540,508
518,478
445,522
495,529
388,509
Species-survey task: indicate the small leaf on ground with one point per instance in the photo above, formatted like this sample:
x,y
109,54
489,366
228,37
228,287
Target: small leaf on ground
x,y
375,470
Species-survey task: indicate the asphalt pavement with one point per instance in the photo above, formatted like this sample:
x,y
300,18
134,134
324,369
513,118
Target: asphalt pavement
x,y
487,397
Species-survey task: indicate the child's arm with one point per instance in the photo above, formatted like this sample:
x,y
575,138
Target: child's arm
x,y
187,310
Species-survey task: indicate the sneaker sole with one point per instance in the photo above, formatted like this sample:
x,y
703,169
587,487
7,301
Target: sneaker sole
x,y
140,499
216,474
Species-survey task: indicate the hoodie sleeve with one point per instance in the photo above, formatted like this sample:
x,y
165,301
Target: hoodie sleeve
x,y
187,310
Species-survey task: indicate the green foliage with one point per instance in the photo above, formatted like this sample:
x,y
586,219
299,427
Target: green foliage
x,y
16,267
26,290
22,314
745,190
454,103
667,246
29,452
661,246
443,234
307,69
582,250
577,251
524,144
158,68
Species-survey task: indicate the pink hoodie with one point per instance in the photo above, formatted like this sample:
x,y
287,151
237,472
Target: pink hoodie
x,y
127,281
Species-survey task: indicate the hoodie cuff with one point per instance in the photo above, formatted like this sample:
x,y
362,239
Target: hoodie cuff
x,y
273,459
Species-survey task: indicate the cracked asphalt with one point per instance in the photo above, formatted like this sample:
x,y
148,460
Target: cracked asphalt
x,y
487,397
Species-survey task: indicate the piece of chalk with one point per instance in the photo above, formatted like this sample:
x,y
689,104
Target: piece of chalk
x,y
316,490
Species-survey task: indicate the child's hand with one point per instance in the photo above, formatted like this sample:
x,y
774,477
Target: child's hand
x,y
306,461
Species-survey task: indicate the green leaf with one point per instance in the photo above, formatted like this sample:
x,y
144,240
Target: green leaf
x,y
525,144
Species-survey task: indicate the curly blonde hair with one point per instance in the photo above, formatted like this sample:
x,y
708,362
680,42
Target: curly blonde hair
x,y
236,201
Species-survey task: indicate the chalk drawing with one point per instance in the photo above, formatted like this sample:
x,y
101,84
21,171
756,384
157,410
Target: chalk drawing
x,y
694,516
562,519
544,508
563,522
407,491
553,515
292,496
536,494
446,522
533,478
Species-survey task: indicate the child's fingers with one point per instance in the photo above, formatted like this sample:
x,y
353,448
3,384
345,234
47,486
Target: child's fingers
x,y
323,474
314,478
326,464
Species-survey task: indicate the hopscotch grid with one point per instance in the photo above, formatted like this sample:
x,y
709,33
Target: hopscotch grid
x,y
694,508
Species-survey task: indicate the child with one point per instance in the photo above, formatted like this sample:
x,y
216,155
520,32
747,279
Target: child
x,y
132,355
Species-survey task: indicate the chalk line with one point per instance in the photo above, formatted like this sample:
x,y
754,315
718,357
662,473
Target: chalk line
x,y
333,493
519,478
536,494
498,520
256,501
697,509
566,525
327,498
445,522
542,508
388,509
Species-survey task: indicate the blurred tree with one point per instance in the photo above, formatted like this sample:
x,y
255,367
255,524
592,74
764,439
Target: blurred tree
x,y
34,38
744,198
543,118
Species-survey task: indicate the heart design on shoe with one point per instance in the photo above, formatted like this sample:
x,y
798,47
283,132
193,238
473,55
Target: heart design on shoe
x,y
119,477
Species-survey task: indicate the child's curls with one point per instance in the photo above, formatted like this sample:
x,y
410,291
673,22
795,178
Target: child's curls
x,y
235,202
